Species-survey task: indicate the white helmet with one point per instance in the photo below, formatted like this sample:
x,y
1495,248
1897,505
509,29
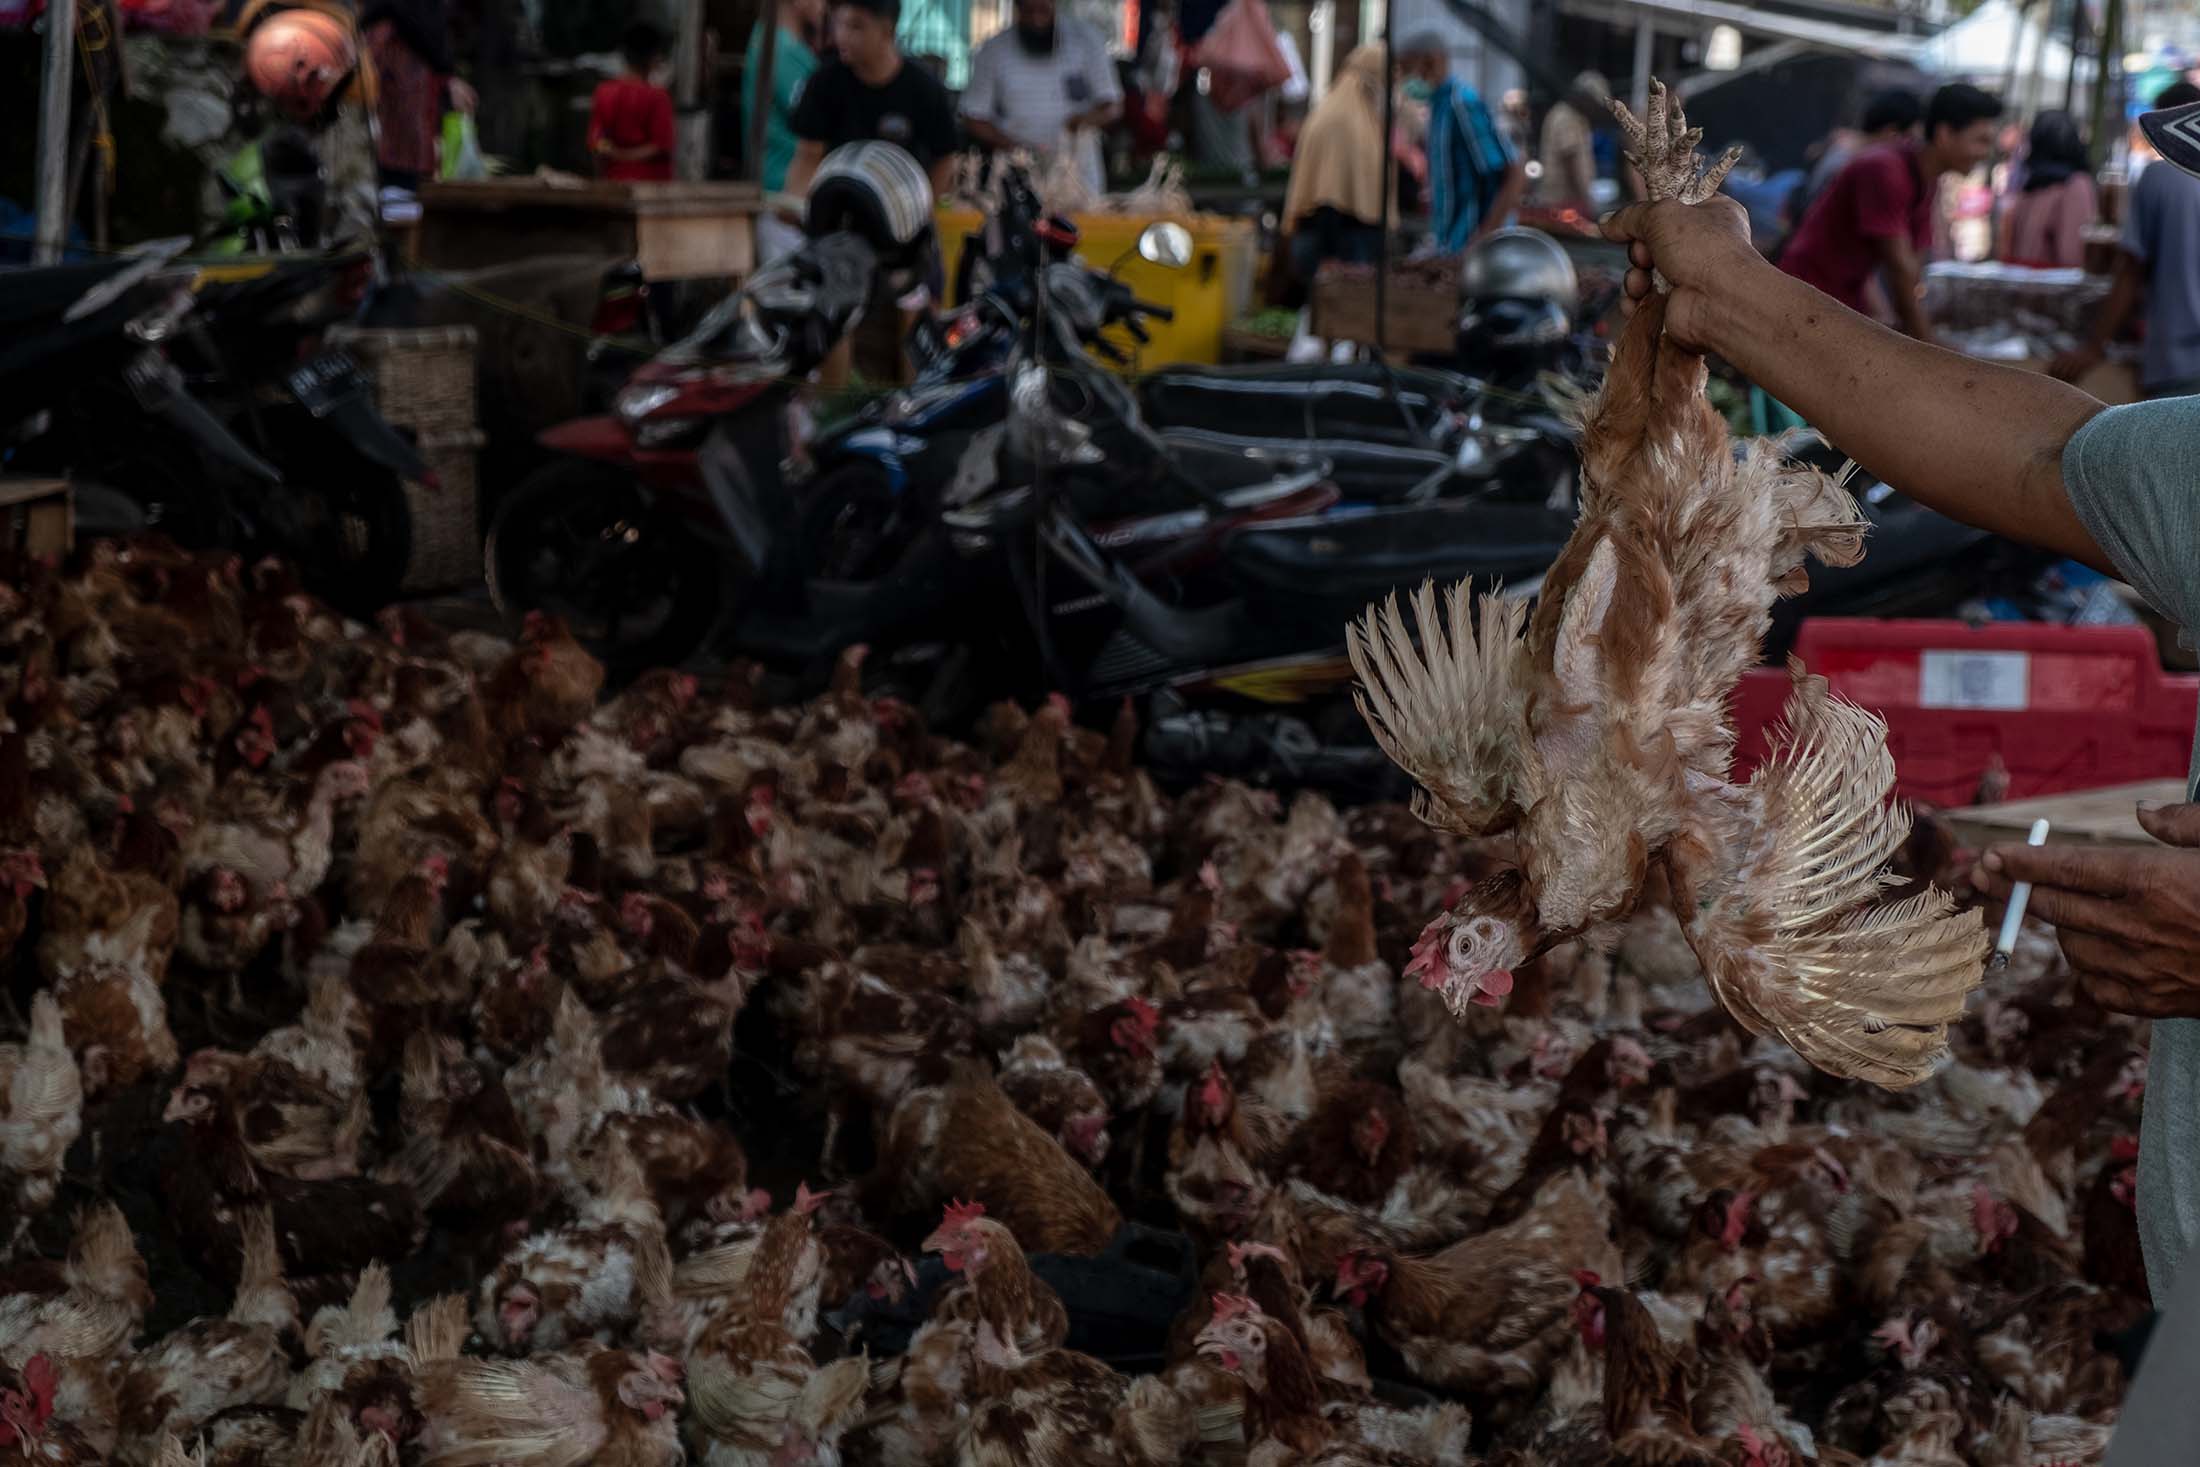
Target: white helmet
x,y
875,190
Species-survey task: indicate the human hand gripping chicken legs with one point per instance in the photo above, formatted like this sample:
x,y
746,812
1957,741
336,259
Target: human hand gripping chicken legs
x,y
1599,739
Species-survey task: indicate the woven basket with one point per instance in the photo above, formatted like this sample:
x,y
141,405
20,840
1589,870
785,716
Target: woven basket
x,y
446,549
423,379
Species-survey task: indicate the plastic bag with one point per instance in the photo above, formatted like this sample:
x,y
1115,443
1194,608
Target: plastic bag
x,y
1241,55
461,153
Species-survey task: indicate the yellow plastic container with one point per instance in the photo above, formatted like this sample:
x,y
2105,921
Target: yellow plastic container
x,y
1206,295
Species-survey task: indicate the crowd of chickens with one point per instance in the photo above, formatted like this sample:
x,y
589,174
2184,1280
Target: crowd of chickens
x,y
417,1058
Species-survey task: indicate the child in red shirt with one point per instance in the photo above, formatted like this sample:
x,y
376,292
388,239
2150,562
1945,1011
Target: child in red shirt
x,y
630,125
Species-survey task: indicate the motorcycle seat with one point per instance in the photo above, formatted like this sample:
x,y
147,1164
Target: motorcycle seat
x,y
1364,556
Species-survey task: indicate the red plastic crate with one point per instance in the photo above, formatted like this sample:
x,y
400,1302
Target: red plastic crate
x,y
2065,708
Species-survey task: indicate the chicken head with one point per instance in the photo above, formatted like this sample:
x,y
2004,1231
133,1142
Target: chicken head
x,y
517,1313
654,1389
1361,1274
1468,954
1589,1308
1236,1339
964,1237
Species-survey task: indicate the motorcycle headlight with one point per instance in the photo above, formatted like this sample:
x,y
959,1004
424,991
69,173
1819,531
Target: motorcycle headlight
x,y
638,400
662,432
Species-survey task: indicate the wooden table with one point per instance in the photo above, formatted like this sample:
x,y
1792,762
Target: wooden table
x,y
37,517
677,231
2106,817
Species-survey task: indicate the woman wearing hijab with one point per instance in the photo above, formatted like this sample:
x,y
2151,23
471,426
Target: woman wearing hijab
x,y
2045,223
1333,208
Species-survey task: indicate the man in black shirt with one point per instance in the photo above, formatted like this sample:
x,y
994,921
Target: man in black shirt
x,y
871,92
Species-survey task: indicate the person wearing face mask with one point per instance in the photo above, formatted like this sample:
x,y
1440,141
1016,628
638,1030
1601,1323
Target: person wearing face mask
x,y
1475,180
1045,83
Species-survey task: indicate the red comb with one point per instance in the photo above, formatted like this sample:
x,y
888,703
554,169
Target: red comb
x,y
1231,1306
1146,1014
962,1214
806,1201
1588,1278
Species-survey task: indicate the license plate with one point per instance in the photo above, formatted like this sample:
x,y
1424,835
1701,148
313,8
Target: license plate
x,y
326,383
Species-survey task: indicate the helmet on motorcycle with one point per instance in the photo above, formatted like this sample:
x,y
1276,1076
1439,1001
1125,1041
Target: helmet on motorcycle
x,y
299,59
875,190
1511,339
1520,264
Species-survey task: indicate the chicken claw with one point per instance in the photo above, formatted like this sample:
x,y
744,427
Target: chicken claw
x,y
1662,146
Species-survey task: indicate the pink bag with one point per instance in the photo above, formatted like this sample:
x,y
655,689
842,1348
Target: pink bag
x,y
1241,55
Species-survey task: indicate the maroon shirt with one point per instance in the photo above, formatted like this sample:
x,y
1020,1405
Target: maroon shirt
x,y
1880,194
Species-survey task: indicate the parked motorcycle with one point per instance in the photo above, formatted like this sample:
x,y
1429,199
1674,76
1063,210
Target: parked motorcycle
x,y
190,412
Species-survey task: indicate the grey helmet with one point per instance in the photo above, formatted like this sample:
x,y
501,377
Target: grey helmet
x,y
875,190
1520,264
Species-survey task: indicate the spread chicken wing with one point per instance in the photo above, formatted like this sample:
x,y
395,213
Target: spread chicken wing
x,y
1597,735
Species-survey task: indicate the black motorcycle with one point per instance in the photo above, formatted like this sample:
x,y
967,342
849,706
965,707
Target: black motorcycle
x,y
112,377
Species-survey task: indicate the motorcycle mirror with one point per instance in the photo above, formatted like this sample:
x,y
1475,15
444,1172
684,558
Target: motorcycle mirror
x,y
1165,243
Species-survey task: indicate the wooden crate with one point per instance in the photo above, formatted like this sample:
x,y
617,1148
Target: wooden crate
x,y
677,231
37,518
2081,817
1418,316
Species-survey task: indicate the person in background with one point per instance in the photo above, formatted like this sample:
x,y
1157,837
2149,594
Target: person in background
x,y
870,91
2159,258
1475,179
794,61
630,121
1568,147
1333,204
411,44
2045,223
1890,117
1877,215
1044,83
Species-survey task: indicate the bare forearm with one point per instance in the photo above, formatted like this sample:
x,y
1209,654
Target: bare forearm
x,y
1980,443
1508,196
987,133
2123,296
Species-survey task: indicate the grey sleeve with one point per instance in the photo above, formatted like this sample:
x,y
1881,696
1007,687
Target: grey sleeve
x,y
2133,476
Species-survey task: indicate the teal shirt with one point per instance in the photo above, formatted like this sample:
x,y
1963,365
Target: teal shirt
x,y
792,63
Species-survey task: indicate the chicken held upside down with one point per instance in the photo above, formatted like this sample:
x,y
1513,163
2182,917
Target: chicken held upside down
x,y
1600,738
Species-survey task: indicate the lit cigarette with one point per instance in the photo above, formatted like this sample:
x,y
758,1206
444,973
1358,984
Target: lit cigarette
x,y
2013,919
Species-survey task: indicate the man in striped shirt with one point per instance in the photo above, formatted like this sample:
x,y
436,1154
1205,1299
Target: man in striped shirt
x,y
1475,179
1042,84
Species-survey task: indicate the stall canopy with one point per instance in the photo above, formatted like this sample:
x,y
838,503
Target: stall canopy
x,y
1983,45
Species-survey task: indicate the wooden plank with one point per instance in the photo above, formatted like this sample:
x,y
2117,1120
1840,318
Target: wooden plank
x,y
2081,817
21,490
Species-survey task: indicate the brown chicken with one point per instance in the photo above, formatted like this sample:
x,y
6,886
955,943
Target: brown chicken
x,y
606,1408
1491,1313
963,1139
1601,741
212,1364
994,1283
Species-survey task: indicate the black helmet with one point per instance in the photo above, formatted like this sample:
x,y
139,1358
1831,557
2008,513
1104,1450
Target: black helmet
x,y
1512,339
1520,264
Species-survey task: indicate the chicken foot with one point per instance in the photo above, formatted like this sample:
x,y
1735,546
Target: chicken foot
x,y
1662,146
